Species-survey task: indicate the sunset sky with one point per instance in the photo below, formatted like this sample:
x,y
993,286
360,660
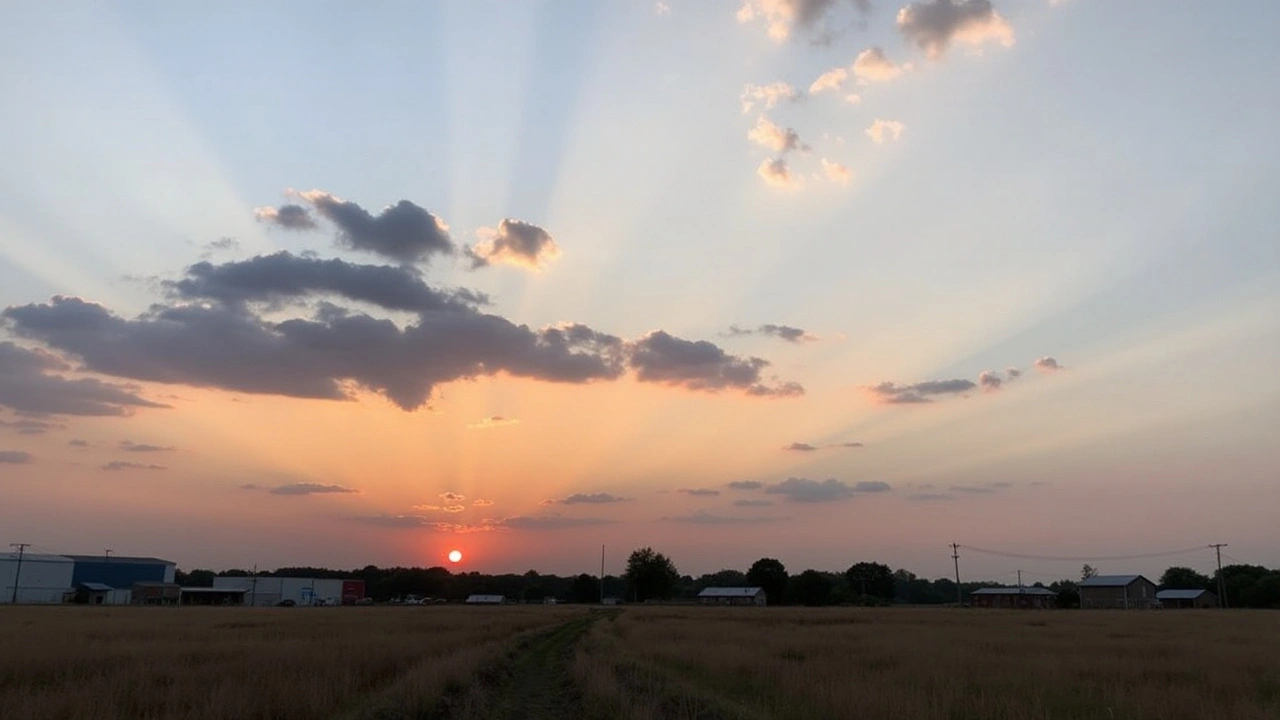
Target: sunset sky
x,y
824,280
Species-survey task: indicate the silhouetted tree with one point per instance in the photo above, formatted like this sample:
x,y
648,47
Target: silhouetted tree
x,y
586,589
723,578
870,579
771,575
650,575
1184,578
1068,593
811,588
195,578
1088,571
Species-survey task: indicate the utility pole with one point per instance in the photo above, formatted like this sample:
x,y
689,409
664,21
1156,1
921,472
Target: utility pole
x,y
253,594
107,554
1222,582
602,574
955,555
1019,581
17,572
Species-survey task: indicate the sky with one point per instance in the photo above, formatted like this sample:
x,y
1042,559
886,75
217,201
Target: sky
x,y
820,280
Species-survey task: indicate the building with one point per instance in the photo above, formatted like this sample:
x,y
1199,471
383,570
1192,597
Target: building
x,y
91,593
120,571
35,578
1117,592
485,599
211,596
155,593
268,591
733,596
1184,599
1015,598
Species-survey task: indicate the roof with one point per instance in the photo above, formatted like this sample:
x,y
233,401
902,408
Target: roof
x,y
1180,594
35,557
730,592
120,559
96,587
1110,581
1014,591
222,590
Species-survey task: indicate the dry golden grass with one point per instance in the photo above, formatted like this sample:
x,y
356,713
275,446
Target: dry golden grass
x,y
933,664
229,663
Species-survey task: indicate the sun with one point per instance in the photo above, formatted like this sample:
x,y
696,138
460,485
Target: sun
x,y
455,556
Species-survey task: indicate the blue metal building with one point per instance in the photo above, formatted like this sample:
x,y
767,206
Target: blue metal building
x,y
120,572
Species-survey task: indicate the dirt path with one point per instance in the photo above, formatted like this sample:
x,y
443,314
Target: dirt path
x,y
532,682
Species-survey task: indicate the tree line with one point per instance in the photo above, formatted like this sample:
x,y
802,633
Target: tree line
x,y
652,576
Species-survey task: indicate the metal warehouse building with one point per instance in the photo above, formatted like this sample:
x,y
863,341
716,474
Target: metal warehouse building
x,y
41,578
1117,592
266,591
120,572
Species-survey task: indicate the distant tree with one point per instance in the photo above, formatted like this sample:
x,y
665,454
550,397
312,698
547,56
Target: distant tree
x,y
195,578
723,578
586,589
771,575
869,579
1184,578
1088,571
650,575
811,588
1068,593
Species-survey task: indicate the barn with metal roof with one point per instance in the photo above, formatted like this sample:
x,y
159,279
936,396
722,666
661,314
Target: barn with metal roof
x,y
733,596
1117,592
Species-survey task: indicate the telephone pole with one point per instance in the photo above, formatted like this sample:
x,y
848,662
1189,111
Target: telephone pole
x,y
107,554
17,572
955,555
1222,582
601,574
1019,581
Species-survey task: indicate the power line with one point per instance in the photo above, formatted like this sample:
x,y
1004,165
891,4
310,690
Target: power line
x,y
1022,556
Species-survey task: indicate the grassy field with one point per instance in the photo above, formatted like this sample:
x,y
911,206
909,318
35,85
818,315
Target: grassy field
x,y
537,662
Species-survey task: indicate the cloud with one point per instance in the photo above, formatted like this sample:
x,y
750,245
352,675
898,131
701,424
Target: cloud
x,y
440,508
781,16
832,79
753,503
801,447
587,499
892,394
452,497
872,65
661,9
775,137
77,442
777,173
700,365
289,217
515,242
990,380
1013,373
812,491
1047,364
123,465
130,446
699,492
250,486
702,517
849,445
15,457
307,488
552,522
933,25
836,172
403,232
493,421
222,243
745,485
481,503
882,130
808,447
28,385
393,521
766,97
930,496
782,332
972,489
31,426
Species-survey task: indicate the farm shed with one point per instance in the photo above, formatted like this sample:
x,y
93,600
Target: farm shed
x,y
733,596
1023,598
1183,599
267,591
91,593
40,579
120,571
1117,592
485,599
155,593
211,596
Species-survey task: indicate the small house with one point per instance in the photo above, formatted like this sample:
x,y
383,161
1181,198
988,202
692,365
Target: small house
x,y
733,596
1117,592
1016,598
1184,599
92,593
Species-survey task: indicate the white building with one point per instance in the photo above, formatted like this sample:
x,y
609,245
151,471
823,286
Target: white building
x,y
267,591
41,578
485,599
732,596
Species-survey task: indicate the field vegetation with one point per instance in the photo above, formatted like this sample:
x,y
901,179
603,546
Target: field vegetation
x,y
638,662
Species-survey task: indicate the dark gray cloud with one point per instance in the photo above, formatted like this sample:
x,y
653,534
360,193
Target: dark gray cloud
x,y
887,392
850,445
515,242
814,491
223,243
1013,373
130,446
753,503
701,365
28,384
77,442
289,217
284,277
307,488
699,492
782,332
990,380
934,24
929,496
403,232
124,465
15,457
587,499
1047,364
801,447
31,426
745,485
702,517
